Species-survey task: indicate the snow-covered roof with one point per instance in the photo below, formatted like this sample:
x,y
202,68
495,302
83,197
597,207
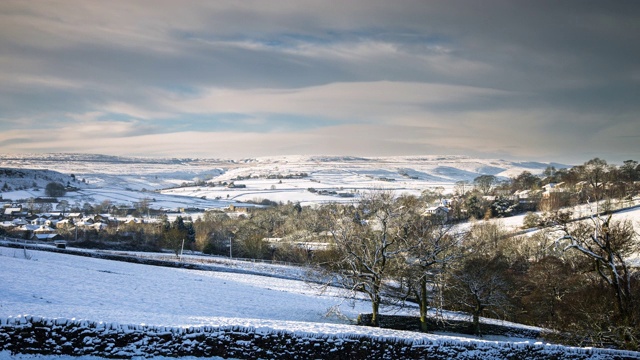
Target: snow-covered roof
x,y
436,208
19,221
38,221
64,222
7,224
28,227
41,236
98,226
12,210
51,214
44,228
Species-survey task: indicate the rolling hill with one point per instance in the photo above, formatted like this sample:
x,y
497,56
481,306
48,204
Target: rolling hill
x,y
173,183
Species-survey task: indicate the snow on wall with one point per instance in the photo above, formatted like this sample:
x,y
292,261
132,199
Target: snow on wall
x,y
37,335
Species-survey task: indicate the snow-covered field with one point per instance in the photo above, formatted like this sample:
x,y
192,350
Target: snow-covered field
x,y
128,180
52,285
66,286
514,223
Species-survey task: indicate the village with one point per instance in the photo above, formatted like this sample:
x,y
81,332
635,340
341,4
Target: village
x,y
29,222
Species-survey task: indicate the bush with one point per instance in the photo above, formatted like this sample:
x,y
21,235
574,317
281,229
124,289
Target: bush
x,y
531,220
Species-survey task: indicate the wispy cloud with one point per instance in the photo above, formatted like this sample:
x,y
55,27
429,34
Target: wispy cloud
x,y
382,101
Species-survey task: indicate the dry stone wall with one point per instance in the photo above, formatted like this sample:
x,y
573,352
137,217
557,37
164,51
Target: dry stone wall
x,y
33,335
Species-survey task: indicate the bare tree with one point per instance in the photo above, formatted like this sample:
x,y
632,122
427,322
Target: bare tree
x,y
484,183
462,187
478,285
486,237
595,171
525,181
550,282
103,207
213,233
143,206
63,205
432,249
174,240
608,244
248,241
366,244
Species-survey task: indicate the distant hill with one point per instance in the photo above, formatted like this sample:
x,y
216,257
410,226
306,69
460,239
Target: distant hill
x,y
436,168
125,180
12,179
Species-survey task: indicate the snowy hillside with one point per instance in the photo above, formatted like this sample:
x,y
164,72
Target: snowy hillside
x,y
48,285
34,180
173,183
76,289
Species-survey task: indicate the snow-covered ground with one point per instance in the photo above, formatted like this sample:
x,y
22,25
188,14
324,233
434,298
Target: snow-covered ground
x,y
52,285
66,286
125,181
55,285
632,214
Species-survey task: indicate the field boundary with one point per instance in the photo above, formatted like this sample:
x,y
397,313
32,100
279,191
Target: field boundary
x,y
35,335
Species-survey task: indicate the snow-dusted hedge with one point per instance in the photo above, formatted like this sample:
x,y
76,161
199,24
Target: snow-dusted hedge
x,y
412,323
34,335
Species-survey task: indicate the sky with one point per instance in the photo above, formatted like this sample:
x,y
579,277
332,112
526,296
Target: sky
x,y
525,80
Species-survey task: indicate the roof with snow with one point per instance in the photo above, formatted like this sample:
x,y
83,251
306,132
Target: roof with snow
x,y
12,210
45,237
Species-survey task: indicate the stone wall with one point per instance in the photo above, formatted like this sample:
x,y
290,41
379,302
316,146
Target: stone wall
x,y
33,335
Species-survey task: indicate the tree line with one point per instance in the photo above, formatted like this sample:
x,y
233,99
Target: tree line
x,y
565,277
574,278
489,196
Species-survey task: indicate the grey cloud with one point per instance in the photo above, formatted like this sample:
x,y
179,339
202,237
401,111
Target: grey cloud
x,y
517,39
571,58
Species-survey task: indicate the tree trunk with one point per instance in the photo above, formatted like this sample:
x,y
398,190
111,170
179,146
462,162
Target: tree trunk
x,y
375,307
616,282
424,302
619,297
476,320
375,303
476,323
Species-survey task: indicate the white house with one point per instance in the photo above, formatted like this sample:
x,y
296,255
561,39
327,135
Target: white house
x,y
440,211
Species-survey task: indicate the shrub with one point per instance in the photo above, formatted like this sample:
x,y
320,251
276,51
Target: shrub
x,y
531,220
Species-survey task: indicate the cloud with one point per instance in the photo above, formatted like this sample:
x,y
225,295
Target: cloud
x,y
510,78
377,101
450,135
